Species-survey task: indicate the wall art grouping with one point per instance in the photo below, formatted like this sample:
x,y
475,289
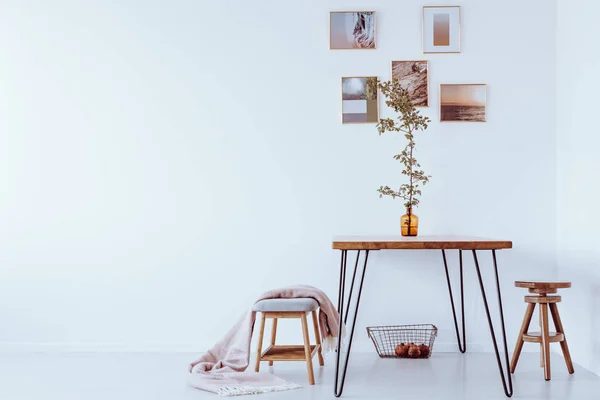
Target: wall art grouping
x,y
441,33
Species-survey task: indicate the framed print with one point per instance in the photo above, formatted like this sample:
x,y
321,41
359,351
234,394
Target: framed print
x,y
441,29
414,77
463,103
351,30
359,100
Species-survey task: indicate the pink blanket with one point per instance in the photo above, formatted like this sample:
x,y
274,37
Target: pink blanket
x,y
222,369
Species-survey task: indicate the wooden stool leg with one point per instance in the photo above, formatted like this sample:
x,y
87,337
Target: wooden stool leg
x,y
541,343
307,350
273,336
545,340
260,340
563,344
318,338
524,328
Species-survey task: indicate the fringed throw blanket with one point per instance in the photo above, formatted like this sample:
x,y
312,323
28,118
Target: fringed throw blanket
x,y
222,369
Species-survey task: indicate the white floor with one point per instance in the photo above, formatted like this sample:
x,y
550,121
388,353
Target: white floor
x,y
163,376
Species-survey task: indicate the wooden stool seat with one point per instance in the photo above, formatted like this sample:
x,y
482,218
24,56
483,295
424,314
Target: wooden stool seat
x,y
544,337
543,285
286,305
289,308
536,337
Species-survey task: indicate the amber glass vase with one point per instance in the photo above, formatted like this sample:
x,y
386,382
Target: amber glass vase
x,y
409,224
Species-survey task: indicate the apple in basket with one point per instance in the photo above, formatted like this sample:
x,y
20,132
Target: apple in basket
x,y
402,350
414,351
424,350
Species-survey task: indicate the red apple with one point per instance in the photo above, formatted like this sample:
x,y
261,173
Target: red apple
x,y
414,352
401,350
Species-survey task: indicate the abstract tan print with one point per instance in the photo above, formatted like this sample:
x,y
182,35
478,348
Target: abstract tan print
x,y
441,30
463,103
352,30
359,100
413,76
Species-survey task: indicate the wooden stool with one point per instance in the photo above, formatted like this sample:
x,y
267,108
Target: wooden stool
x,y
545,337
289,308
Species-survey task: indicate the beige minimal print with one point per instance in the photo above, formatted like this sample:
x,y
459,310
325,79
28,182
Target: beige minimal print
x,y
359,100
441,30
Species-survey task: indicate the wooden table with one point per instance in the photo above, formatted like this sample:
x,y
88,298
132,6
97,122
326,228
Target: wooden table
x,y
443,243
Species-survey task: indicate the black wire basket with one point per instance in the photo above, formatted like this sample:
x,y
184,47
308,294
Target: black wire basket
x,y
403,341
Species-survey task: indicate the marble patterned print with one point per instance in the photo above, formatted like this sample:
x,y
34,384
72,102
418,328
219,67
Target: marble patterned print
x,y
413,77
364,30
352,30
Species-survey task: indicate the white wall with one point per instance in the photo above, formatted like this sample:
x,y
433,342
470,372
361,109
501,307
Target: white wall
x,y
163,163
578,84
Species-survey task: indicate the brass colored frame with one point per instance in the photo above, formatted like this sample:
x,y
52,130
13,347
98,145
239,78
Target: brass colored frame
x,y
425,61
342,93
464,84
423,31
355,11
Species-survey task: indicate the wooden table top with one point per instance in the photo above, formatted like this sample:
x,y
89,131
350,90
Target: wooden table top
x,y
397,242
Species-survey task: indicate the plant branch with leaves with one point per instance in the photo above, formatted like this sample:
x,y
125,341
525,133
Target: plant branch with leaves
x,y
408,122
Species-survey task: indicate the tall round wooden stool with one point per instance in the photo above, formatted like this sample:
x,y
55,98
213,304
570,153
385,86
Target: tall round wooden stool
x,y
544,337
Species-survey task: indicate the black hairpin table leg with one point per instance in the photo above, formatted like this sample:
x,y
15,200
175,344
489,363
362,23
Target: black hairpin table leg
x,y
462,343
504,370
339,383
351,286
